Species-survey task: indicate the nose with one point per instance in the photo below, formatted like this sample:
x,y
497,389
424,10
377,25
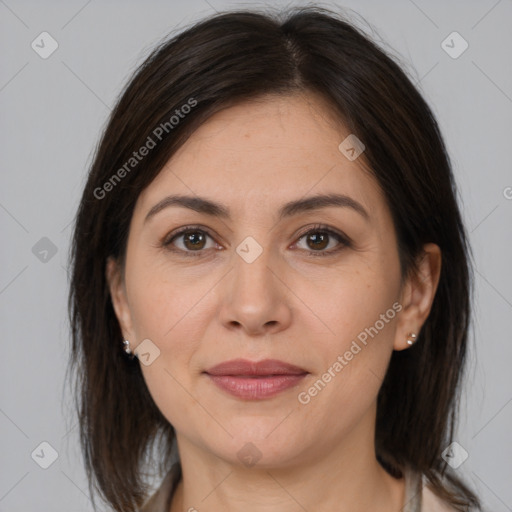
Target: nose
x,y
255,298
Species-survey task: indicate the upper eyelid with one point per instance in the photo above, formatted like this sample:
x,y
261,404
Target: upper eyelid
x,y
182,231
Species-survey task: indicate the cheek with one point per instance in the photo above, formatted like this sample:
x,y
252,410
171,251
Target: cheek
x,y
358,312
346,302
169,391
162,302
353,361
169,313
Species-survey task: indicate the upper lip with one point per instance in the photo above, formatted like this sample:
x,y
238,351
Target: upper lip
x,y
246,367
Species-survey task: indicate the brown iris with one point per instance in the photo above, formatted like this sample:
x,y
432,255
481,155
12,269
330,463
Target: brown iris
x,y
196,240
321,240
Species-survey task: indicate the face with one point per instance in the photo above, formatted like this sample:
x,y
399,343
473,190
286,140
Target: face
x,y
317,287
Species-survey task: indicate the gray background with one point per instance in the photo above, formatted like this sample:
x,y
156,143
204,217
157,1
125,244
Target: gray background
x,y
52,112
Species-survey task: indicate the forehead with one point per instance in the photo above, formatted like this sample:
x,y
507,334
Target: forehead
x,y
272,149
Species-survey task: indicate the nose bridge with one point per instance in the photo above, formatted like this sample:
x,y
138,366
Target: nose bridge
x,y
255,298
252,277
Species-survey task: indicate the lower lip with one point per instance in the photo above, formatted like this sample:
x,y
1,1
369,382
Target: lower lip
x,y
256,388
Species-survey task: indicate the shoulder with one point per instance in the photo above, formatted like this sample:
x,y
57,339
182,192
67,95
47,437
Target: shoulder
x,y
420,495
160,501
432,503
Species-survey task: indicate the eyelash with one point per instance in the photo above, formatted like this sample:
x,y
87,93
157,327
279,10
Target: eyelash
x,y
342,239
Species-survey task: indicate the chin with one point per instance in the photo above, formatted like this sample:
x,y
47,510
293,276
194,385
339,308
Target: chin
x,y
259,446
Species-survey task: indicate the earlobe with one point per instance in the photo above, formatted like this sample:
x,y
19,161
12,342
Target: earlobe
x,y
418,296
118,297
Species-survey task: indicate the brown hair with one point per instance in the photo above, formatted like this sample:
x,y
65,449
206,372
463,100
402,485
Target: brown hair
x,y
230,58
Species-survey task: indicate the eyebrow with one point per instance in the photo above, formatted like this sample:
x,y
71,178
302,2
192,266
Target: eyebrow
x,y
214,209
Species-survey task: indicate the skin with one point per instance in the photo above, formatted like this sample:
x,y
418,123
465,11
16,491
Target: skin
x,y
287,305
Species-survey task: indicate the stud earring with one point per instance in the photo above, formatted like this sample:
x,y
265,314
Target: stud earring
x,y
127,349
411,341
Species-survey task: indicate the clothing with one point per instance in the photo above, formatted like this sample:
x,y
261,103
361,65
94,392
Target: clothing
x,y
418,497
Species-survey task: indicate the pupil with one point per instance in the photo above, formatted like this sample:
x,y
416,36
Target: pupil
x,y
198,237
319,238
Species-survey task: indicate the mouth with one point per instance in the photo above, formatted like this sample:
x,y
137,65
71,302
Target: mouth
x,y
250,380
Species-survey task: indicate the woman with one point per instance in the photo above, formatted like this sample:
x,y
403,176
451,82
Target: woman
x,y
270,225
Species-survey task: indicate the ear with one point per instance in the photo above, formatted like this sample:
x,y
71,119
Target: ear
x,y
119,301
418,295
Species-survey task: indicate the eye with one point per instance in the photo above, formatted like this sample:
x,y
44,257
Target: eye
x,y
193,240
320,237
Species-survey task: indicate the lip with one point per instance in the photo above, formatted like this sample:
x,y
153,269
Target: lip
x,y
245,367
250,380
